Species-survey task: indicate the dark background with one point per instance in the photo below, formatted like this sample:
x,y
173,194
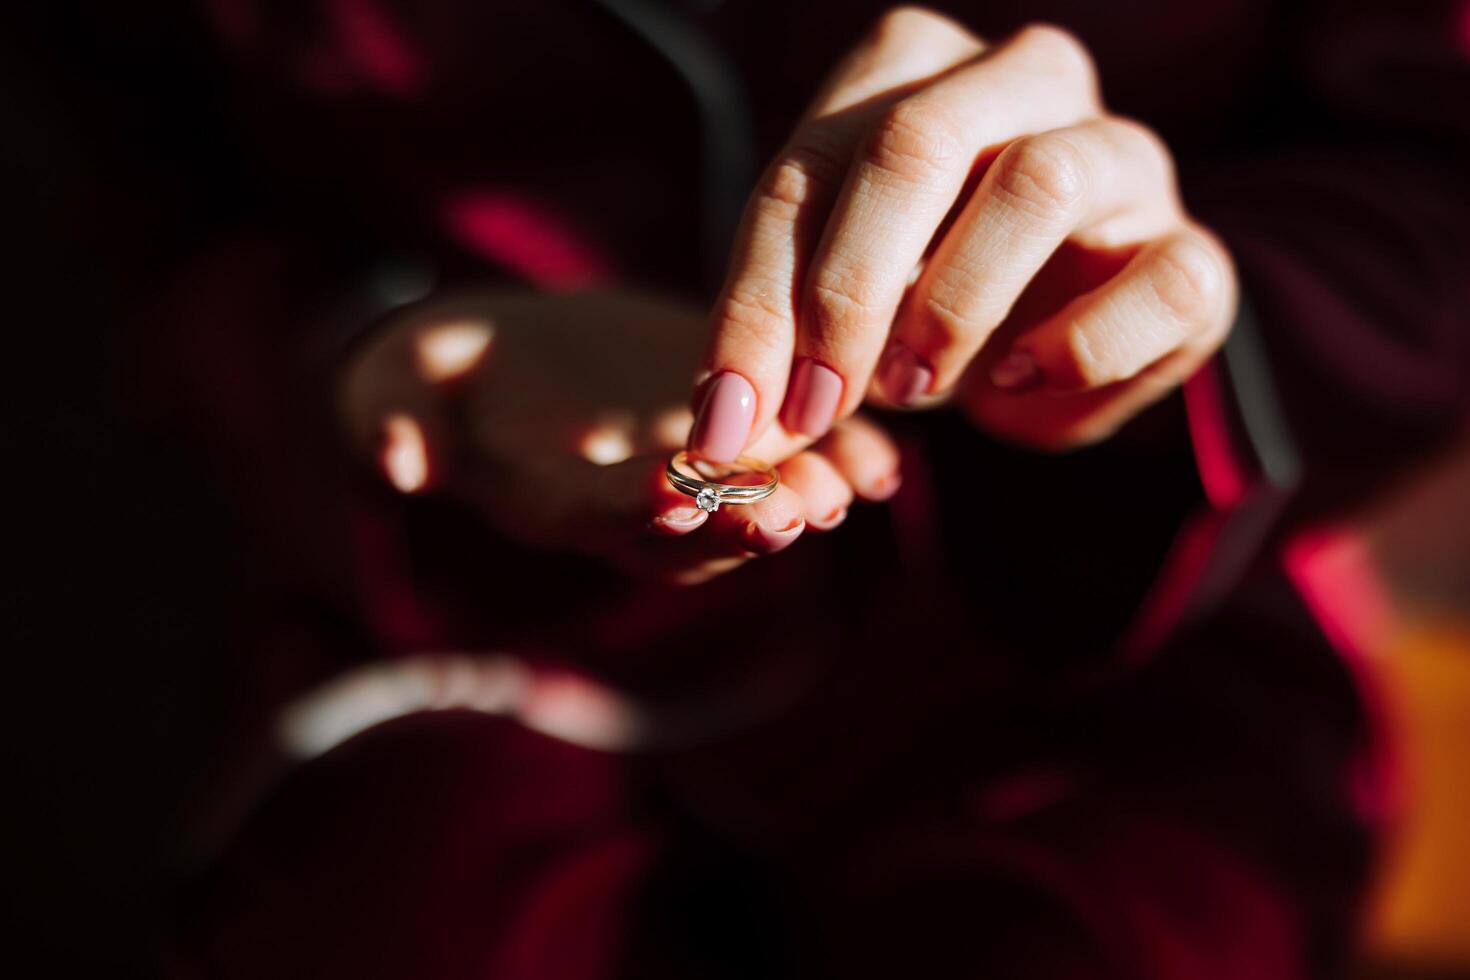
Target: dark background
x,y
129,570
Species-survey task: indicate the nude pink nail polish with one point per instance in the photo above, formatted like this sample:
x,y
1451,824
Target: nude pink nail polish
x,y
903,377
812,402
723,424
763,541
884,487
678,521
833,519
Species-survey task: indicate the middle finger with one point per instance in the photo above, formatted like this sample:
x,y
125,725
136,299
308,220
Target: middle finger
x,y
900,191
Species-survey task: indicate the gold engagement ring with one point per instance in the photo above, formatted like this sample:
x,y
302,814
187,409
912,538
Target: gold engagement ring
x,y
688,475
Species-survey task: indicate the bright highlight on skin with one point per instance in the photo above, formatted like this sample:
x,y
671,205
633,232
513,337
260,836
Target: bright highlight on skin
x,y
608,443
453,349
563,706
671,428
333,713
405,456
581,712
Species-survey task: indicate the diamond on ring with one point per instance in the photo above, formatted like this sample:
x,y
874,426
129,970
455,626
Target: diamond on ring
x,y
707,500
686,476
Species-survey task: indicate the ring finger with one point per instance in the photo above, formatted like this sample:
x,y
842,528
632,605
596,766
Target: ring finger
x,y
1106,183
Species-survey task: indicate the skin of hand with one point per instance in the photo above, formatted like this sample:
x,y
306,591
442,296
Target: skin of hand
x,y
553,416
958,220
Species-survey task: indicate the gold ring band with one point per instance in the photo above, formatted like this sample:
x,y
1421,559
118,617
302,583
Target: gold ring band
x,y
709,495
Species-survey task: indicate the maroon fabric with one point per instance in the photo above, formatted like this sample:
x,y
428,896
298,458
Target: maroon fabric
x,y
956,786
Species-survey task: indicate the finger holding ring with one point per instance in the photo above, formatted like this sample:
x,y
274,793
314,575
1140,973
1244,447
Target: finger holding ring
x,y
708,483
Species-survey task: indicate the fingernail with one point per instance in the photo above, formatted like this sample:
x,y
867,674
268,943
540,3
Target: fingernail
x,y
903,377
1015,371
831,520
768,542
679,520
812,404
724,420
884,487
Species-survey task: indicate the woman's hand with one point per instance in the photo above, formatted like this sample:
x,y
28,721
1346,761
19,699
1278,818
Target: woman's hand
x,y
956,218
554,416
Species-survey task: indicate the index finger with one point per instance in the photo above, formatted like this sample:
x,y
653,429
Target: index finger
x,y
754,321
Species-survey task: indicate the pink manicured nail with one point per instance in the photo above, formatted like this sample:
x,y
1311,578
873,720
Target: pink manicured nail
x,y
884,487
812,404
765,542
680,520
724,420
830,521
903,377
1017,370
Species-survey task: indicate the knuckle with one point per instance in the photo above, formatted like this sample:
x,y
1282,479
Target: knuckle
x,y
946,326
1044,175
842,302
1063,51
903,24
917,141
804,172
895,23
1082,364
1142,147
1187,277
754,316
1147,144
949,308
